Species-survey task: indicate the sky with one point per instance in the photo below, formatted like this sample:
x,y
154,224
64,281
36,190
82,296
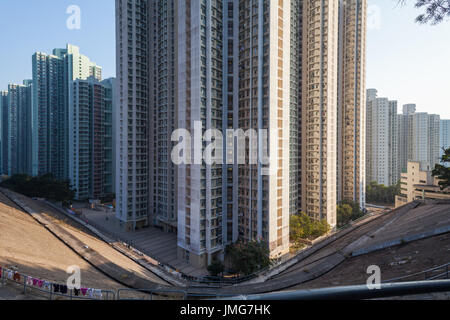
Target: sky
x,y
27,26
406,61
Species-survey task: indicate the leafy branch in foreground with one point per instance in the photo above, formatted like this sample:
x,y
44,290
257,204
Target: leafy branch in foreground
x,y
435,10
442,172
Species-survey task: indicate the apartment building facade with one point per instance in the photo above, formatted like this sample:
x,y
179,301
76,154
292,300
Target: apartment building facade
x,y
132,122
109,145
404,132
4,106
444,142
418,184
419,137
163,113
236,65
92,139
15,106
381,140
52,108
319,109
18,140
351,172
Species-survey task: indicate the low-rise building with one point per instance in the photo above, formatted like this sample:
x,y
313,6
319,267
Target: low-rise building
x,y
417,184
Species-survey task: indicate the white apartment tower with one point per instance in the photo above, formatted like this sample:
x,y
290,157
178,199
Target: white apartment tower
x,y
132,126
319,109
381,143
444,137
419,138
351,175
425,139
199,98
52,108
248,65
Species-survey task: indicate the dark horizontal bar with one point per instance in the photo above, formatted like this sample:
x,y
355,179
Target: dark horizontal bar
x,y
354,292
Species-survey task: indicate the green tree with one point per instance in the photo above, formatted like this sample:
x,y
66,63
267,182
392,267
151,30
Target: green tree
x,y
247,258
216,268
378,193
442,172
344,214
303,227
45,186
348,211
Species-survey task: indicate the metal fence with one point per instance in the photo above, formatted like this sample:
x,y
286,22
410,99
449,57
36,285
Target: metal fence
x,y
48,289
388,288
151,294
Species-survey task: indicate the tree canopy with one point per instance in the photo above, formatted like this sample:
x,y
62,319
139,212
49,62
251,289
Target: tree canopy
x,y
249,257
348,211
378,193
216,268
45,186
303,227
435,10
442,172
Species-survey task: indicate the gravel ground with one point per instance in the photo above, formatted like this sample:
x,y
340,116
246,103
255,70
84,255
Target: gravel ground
x,y
31,248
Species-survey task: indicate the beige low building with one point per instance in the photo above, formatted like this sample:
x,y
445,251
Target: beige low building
x,y
416,184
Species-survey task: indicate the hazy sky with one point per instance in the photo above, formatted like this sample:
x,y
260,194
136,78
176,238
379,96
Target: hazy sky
x,y
405,61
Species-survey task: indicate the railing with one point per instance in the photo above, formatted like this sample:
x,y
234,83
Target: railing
x,y
151,294
359,292
47,288
9,276
220,281
230,281
208,281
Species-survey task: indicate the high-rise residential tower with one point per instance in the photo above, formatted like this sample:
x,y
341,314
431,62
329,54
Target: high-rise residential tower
x,y
133,114
19,128
264,104
425,139
419,138
404,134
4,107
163,113
319,109
444,137
351,176
249,69
381,140
52,103
199,99
92,139
109,145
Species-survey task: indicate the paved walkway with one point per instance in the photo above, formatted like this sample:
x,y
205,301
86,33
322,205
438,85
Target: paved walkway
x,y
155,243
